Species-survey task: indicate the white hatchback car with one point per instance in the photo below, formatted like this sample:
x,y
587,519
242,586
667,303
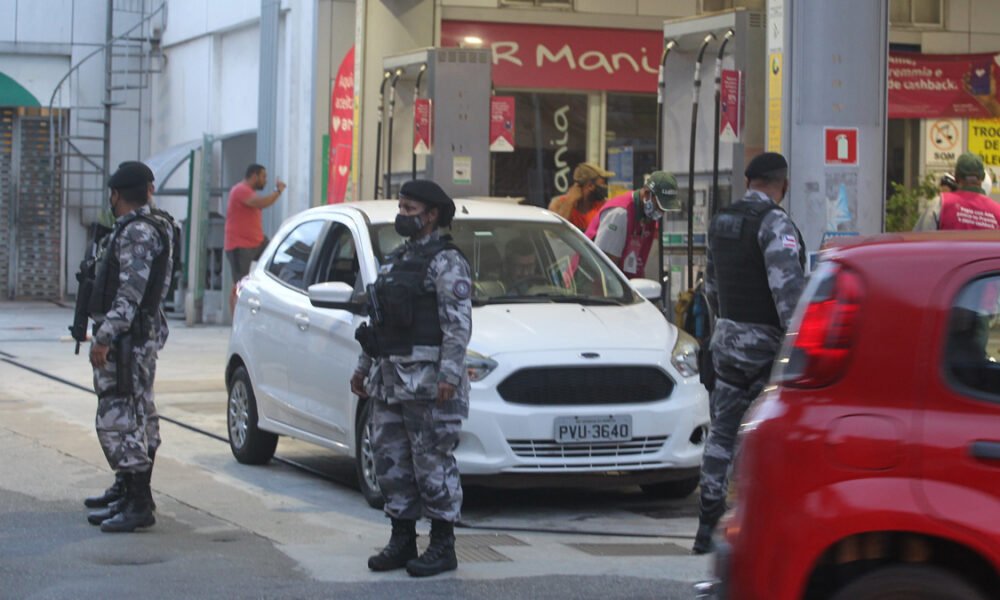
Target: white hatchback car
x,y
576,377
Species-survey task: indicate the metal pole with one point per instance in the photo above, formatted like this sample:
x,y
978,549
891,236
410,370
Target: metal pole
x,y
108,51
378,131
387,190
694,131
660,93
416,94
714,202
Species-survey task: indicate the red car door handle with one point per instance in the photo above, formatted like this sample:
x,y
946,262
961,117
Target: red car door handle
x,y
985,450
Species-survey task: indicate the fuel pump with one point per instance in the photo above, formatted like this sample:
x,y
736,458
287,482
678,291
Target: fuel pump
x,y
457,82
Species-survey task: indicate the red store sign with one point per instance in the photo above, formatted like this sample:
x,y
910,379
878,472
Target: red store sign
x,y
578,58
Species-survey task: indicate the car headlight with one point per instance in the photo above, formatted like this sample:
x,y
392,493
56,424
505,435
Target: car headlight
x,y
684,356
478,366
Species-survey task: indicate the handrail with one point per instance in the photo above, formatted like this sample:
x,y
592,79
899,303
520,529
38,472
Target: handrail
x,y
106,45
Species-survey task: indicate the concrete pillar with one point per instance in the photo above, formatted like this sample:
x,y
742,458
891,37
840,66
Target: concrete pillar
x,y
383,28
828,72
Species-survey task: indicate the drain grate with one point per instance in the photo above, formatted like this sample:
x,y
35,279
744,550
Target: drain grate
x,y
630,549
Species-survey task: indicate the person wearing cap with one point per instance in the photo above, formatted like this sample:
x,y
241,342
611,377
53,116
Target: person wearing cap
x,y
412,370
585,198
753,278
966,207
243,235
133,277
627,225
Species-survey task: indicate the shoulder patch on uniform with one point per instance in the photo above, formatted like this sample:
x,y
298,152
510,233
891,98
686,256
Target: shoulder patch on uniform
x,y
461,289
612,227
790,242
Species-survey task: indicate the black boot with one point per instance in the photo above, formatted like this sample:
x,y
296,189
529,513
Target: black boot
x,y
440,555
137,509
96,517
703,543
115,492
401,548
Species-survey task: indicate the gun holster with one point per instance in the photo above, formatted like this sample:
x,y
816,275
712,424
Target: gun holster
x,y
365,334
125,365
706,369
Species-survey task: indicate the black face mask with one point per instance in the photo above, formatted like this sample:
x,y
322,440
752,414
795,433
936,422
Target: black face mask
x,y
599,193
408,225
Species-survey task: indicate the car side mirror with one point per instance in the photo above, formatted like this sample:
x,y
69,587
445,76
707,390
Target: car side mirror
x,y
647,288
336,295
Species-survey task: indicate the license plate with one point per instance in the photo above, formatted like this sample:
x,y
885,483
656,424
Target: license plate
x,y
576,430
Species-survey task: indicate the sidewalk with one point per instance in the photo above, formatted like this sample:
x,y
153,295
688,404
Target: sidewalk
x,y
323,530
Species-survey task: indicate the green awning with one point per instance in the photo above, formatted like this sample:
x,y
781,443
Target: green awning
x,y
13,93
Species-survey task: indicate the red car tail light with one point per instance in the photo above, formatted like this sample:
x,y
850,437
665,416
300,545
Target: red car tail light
x,y
818,347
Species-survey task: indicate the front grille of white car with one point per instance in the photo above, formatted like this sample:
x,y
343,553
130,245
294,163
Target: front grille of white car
x,y
551,449
586,385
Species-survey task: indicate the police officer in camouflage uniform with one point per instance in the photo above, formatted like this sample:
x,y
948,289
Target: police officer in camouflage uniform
x,y
754,277
133,277
413,371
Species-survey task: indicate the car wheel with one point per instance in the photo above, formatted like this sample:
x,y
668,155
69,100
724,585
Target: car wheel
x,y
364,458
250,445
677,489
909,583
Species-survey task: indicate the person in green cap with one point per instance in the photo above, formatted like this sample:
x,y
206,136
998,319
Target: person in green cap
x,y
967,207
627,226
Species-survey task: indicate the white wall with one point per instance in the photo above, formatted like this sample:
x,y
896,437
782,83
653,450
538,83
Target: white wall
x,y
38,74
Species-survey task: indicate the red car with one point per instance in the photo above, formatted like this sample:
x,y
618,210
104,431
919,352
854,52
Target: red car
x,y
870,468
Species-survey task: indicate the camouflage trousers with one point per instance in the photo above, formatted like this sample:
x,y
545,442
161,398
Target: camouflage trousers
x,y
728,404
414,461
128,427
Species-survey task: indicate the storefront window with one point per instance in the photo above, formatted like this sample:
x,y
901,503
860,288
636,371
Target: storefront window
x,y
550,139
630,137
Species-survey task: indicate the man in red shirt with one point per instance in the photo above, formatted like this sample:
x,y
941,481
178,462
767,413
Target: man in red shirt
x,y
244,237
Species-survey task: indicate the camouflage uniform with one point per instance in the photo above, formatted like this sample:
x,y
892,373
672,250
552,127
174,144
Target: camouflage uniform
x,y
128,427
414,434
742,353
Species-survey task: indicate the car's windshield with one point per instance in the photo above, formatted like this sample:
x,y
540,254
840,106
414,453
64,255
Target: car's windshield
x,y
527,261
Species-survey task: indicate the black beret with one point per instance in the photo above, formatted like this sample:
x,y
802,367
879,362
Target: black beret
x,y
431,194
765,164
130,173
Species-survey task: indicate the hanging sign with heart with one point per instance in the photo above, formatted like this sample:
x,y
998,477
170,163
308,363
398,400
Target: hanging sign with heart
x,y
341,131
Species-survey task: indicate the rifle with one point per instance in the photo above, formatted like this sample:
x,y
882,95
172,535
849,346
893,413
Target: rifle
x,y
365,333
374,308
86,276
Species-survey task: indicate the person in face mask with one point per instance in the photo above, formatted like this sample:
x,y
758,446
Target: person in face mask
x,y
412,371
627,225
585,198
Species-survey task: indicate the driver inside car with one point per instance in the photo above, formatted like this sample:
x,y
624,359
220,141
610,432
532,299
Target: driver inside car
x,y
521,267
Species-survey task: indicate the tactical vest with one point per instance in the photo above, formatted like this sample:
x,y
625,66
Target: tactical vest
x,y
107,280
409,313
740,272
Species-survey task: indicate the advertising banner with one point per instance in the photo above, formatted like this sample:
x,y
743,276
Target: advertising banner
x,y
936,86
341,131
422,127
731,106
502,124
984,140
